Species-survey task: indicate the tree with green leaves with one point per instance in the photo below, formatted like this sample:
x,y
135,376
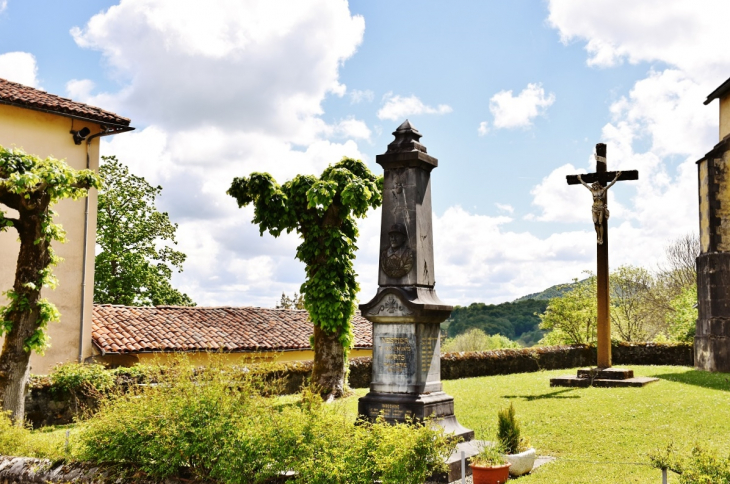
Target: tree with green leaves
x,y
31,186
134,267
323,212
572,318
630,289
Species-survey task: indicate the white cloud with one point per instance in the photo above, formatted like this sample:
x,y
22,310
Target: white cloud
x,y
223,89
357,96
397,107
689,35
483,128
80,89
352,128
505,207
256,66
19,67
3,5
518,111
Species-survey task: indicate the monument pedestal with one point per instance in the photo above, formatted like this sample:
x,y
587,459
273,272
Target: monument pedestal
x,y
399,407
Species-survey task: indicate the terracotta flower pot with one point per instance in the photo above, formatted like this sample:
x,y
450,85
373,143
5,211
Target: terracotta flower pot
x,y
490,475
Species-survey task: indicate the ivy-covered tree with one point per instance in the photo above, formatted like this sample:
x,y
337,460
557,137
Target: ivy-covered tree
x,y
133,267
31,186
323,212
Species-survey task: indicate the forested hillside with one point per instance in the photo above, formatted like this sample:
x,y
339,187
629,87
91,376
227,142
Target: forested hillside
x,y
515,320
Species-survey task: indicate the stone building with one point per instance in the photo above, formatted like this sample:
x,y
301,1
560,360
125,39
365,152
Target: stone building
x,y
45,125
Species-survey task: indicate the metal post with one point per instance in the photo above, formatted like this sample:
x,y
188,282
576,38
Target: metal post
x,y
463,467
664,476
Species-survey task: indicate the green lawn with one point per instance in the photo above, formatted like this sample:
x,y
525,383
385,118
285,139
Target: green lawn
x,y
602,425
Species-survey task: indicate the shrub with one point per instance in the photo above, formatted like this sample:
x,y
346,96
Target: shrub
x,y
219,423
701,466
20,441
509,431
477,340
79,377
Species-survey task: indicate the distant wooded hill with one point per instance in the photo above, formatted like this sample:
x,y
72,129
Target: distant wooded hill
x,y
516,320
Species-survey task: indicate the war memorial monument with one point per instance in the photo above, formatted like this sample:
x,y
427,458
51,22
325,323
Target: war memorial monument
x,y
406,312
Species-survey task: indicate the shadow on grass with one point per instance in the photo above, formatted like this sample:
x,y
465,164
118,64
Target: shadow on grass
x,y
717,381
555,394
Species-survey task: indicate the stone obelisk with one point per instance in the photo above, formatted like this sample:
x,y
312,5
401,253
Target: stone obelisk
x,y
406,312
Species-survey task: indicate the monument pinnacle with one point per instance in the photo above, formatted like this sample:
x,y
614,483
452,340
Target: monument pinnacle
x,y
406,139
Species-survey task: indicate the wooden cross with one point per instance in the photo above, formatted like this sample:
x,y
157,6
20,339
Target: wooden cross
x,y
600,219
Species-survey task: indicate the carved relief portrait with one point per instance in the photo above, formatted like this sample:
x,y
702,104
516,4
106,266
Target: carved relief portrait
x,y
397,260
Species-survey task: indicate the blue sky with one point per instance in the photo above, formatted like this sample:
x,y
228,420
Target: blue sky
x,y
510,97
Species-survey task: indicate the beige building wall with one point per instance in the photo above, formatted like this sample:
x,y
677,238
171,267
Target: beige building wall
x,y
724,116
43,135
129,359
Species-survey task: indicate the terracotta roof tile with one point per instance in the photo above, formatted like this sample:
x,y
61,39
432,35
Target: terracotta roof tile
x,y
20,95
124,329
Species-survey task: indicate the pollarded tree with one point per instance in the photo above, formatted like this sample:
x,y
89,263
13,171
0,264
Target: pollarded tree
x,y
134,267
323,212
31,186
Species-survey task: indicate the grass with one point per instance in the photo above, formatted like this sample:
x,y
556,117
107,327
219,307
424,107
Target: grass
x,y
597,434
612,429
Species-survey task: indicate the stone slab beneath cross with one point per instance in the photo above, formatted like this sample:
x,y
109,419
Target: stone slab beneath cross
x,y
603,378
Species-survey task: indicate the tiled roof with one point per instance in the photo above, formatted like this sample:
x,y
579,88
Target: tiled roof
x,y
31,98
126,329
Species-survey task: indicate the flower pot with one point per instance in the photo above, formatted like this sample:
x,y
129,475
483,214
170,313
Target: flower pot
x,y
489,474
522,463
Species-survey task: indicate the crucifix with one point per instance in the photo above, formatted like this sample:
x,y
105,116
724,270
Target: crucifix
x,y
601,181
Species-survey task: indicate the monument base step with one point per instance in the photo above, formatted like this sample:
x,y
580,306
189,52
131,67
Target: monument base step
x,y
400,407
574,381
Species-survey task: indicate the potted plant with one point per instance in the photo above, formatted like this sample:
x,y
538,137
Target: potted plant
x,y
489,466
516,448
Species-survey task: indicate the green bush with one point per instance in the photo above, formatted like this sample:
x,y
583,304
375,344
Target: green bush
x,y
20,441
509,431
700,466
79,377
219,422
477,340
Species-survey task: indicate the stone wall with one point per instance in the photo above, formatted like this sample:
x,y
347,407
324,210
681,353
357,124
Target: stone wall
x,y
24,470
48,406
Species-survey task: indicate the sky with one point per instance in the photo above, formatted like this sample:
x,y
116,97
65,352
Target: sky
x,y
509,96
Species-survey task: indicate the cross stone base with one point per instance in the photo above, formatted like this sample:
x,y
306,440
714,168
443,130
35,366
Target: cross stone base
x,y
398,407
605,378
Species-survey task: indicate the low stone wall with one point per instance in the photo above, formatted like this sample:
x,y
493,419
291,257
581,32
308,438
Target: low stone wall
x,y
48,406
24,470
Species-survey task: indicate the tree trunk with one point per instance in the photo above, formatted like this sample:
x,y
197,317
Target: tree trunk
x,y
329,370
14,359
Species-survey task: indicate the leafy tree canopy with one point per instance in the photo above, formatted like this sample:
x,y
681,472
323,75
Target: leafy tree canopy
x,y
135,265
511,319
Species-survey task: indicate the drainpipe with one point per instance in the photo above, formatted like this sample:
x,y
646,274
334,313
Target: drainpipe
x,y
104,132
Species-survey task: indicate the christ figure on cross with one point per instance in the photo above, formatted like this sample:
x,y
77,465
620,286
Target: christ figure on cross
x,y
601,181
600,202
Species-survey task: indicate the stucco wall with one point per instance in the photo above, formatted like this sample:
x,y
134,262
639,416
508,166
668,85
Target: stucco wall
x,y
201,358
43,135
